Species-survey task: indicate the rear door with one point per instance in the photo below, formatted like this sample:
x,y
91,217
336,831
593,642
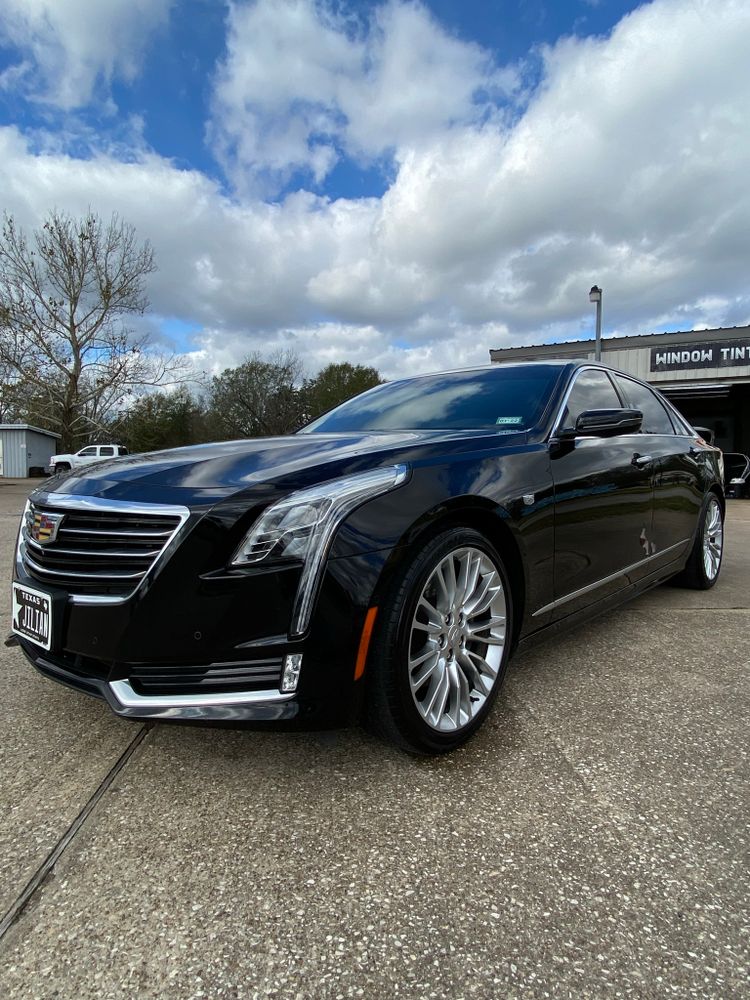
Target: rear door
x,y
603,503
678,490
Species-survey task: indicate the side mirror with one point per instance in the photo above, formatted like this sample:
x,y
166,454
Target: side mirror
x,y
603,423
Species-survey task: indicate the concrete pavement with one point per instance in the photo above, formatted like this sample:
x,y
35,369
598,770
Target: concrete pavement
x,y
592,841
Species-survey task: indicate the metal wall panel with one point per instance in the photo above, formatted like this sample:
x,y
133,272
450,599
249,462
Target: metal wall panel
x,y
14,453
638,363
39,449
23,448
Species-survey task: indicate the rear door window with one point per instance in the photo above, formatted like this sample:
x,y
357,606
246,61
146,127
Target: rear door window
x,y
656,419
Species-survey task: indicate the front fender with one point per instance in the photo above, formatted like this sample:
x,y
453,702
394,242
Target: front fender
x,y
508,497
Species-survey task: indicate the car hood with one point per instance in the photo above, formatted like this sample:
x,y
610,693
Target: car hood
x,y
211,471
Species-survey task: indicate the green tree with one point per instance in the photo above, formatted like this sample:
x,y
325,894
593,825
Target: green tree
x,y
335,384
161,420
260,397
65,297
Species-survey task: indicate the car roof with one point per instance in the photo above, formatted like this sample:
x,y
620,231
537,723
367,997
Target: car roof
x,y
558,363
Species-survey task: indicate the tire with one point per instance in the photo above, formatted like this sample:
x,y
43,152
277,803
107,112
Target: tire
x,y
437,662
704,563
62,467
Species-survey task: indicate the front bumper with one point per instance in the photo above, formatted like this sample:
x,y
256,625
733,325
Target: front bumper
x,y
121,654
124,700
197,641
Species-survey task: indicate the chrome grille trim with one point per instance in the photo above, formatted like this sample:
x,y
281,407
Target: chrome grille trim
x,y
134,553
28,561
114,534
93,553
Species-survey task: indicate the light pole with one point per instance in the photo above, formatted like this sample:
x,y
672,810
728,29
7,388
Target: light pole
x,y
595,295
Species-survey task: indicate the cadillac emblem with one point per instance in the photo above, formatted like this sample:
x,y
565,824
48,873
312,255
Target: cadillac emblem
x,y
43,527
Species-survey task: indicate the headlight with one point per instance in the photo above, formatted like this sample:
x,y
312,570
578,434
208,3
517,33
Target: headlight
x,y
300,528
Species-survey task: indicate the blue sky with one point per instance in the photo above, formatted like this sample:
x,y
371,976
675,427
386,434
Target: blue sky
x,y
172,90
404,184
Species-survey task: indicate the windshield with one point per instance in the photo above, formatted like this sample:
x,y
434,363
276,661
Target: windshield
x,y
502,399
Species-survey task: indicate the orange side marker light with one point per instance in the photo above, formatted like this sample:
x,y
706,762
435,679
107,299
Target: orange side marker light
x,y
364,643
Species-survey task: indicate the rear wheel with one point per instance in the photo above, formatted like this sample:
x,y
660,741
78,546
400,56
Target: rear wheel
x,y
703,566
441,649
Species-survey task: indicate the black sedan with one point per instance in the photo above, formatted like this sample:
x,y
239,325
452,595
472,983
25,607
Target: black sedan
x,y
383,562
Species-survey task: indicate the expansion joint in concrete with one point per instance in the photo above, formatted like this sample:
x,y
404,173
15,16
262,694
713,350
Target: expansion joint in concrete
x,y
39,877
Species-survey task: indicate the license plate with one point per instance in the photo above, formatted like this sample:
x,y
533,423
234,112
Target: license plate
x,y
32,615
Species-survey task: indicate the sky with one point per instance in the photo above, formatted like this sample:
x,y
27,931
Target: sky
x,y
403,184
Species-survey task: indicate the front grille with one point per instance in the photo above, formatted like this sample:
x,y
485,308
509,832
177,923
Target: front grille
x,y
258,675
101,548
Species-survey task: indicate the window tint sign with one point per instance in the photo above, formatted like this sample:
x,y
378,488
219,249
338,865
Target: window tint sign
x,y
682,357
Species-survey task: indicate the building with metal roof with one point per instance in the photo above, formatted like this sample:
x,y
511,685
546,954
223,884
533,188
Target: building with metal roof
x,y
25,450
705,373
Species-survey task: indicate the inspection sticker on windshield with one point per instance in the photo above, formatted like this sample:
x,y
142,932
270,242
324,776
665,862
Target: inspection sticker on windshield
x,y
508,421
32,615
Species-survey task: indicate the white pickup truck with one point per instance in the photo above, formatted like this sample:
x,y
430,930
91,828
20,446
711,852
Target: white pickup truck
x,y
91,453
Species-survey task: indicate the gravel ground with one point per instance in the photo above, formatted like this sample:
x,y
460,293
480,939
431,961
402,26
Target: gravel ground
x,y
592,841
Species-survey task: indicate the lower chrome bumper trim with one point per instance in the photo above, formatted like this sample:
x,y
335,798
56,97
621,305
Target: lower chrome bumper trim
x,y
231,706
128,698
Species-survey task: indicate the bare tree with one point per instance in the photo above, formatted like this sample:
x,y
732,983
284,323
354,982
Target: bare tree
x,y
64,341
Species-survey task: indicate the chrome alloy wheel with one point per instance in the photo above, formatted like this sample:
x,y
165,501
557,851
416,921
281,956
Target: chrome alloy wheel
x,y
713,539
457,639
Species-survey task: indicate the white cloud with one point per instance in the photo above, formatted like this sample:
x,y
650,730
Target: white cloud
x,y
69,48
628,168
302,85
326,343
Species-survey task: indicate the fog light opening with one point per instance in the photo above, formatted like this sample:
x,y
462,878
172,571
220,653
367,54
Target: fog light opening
x,y
292,667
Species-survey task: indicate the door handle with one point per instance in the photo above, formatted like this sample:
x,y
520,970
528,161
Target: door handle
x,y
641,460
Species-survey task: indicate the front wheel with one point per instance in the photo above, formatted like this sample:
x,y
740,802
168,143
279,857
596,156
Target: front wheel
x,y
442,645
704,564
